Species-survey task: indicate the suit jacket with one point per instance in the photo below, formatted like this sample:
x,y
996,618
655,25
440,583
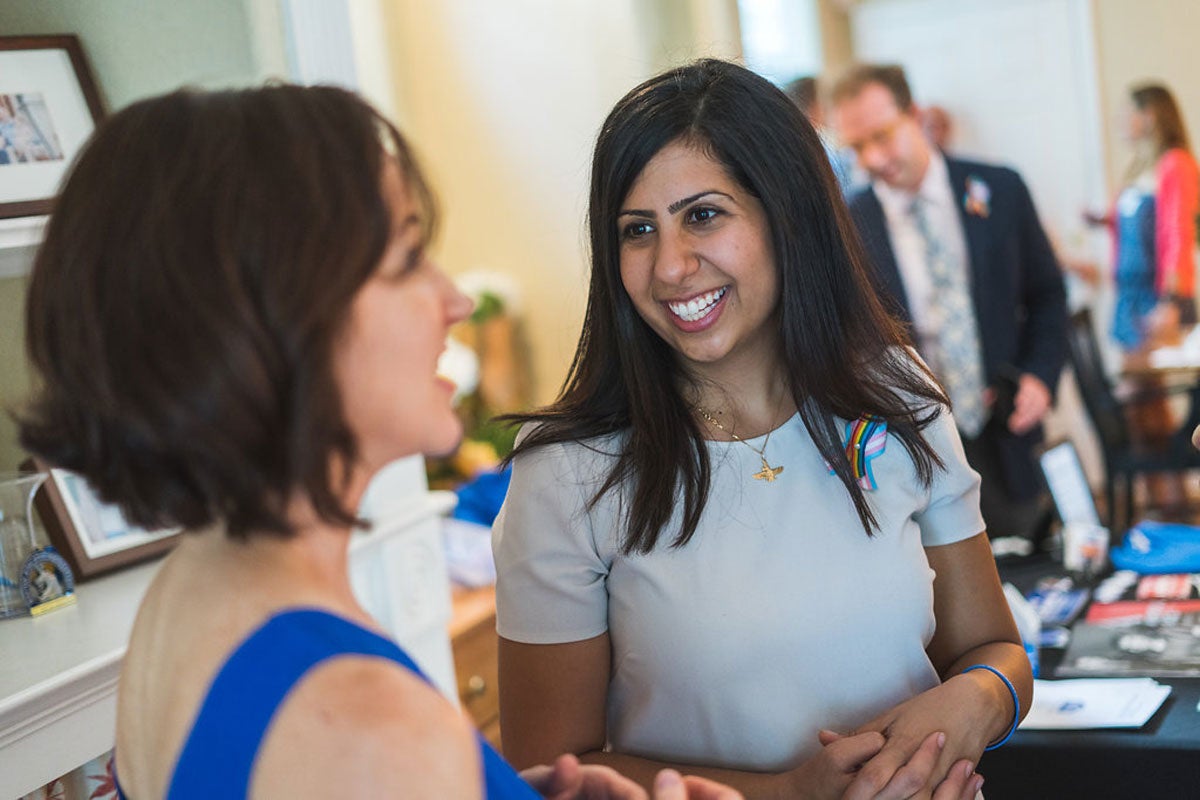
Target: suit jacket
x,y
1016,286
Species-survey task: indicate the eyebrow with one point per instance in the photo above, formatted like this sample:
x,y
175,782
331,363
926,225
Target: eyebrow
x,y
675,207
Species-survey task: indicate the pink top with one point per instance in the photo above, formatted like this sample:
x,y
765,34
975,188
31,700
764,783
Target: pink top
x,y
1175,207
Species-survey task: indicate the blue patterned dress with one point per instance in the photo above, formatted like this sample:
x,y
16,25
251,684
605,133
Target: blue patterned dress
x,y
1135,267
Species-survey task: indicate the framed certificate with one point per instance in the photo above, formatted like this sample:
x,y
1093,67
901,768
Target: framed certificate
x,y
49,106
93,536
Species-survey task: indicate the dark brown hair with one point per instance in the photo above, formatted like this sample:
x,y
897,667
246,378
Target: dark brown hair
x,y
1169,130
857,77
843,355
182,311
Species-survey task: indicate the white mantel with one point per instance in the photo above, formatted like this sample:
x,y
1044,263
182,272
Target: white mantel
x,y
58,672
58,681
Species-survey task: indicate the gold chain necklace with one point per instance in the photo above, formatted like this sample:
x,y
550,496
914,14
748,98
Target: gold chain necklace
x,y
767,473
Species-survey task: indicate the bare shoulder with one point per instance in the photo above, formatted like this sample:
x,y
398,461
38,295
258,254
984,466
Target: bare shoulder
x,y
365,726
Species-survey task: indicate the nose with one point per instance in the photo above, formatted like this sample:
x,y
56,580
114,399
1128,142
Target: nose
x,y
676,258
457,305
871,157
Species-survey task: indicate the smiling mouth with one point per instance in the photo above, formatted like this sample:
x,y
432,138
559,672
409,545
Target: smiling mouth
x,y
698,307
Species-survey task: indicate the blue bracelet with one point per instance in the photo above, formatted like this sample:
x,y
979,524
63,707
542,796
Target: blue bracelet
x,y
1016,702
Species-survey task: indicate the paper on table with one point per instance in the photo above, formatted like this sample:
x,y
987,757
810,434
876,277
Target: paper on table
x,y
1094,703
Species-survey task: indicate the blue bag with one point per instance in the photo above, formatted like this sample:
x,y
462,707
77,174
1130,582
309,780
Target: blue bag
x,y
479,499
1159,548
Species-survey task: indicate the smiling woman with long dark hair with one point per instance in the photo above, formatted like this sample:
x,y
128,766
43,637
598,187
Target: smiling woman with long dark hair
x,y
746,526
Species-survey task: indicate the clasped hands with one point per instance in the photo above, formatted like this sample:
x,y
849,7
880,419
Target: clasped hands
x,y
926,747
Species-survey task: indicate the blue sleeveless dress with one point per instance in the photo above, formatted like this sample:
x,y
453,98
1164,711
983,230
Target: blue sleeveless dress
x,y
218,757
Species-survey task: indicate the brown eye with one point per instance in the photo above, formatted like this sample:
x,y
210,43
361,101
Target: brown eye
x,y
636,230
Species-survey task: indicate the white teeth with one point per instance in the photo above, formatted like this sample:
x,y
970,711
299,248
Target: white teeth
x,y
698,307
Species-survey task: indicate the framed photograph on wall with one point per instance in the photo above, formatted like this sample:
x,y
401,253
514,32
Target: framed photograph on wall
x,y
93,536
49,106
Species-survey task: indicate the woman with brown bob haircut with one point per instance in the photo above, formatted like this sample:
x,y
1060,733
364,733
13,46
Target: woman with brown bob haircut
x,y
236,324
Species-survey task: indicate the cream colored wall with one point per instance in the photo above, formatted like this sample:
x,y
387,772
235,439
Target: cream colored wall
x,y
837,46
14,376
503,102
1139,41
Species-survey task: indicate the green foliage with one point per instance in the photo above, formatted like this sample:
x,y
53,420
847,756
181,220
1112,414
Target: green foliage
x,y
489,305
500,435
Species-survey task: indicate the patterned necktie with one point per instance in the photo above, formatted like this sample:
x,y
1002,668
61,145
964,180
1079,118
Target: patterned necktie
x,y
957,359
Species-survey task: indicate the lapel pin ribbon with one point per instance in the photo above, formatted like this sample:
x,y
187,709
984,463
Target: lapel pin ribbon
x,y
866,438
978,197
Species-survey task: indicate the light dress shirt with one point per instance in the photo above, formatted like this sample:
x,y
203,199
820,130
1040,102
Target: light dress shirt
x,y
908,245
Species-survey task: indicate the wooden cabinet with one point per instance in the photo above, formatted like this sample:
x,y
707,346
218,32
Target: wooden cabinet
x,y
473,640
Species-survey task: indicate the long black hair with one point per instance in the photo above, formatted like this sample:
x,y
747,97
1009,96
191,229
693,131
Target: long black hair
x,y
842,354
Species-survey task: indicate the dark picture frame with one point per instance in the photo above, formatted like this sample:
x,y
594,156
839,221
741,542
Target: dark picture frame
x,y
91,535
49,106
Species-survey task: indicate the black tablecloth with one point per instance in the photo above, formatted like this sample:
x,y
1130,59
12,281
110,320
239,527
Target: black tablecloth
x,y
1160,760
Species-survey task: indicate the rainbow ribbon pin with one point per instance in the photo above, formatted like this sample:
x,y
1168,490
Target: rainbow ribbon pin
x,y
866,438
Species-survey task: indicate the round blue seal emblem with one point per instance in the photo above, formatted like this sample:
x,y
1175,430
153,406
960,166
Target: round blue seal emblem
x,y
46,577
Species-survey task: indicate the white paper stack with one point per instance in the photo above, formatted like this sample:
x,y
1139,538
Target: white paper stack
x,y
1085,703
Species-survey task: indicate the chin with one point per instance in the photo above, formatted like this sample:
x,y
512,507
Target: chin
x,y
446,442
704,353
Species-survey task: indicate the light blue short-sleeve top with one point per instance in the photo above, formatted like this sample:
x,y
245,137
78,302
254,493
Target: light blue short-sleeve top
x,y
780,617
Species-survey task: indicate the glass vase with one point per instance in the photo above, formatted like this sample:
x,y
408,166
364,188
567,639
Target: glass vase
x,y
18,537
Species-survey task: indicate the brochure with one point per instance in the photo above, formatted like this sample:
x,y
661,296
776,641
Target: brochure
x,y
1168,647
1094,703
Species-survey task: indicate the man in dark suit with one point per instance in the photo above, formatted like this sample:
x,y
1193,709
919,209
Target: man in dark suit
x,y
959,254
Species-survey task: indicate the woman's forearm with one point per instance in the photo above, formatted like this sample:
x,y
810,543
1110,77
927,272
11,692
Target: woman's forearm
x,y
1012,662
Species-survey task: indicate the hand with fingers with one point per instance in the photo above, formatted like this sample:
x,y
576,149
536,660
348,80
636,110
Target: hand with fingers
x,y
670,785
1032,402
963,783
567,779
826,775
914,761
914,777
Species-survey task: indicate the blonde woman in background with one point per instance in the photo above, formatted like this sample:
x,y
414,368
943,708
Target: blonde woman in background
x,y
1153,222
